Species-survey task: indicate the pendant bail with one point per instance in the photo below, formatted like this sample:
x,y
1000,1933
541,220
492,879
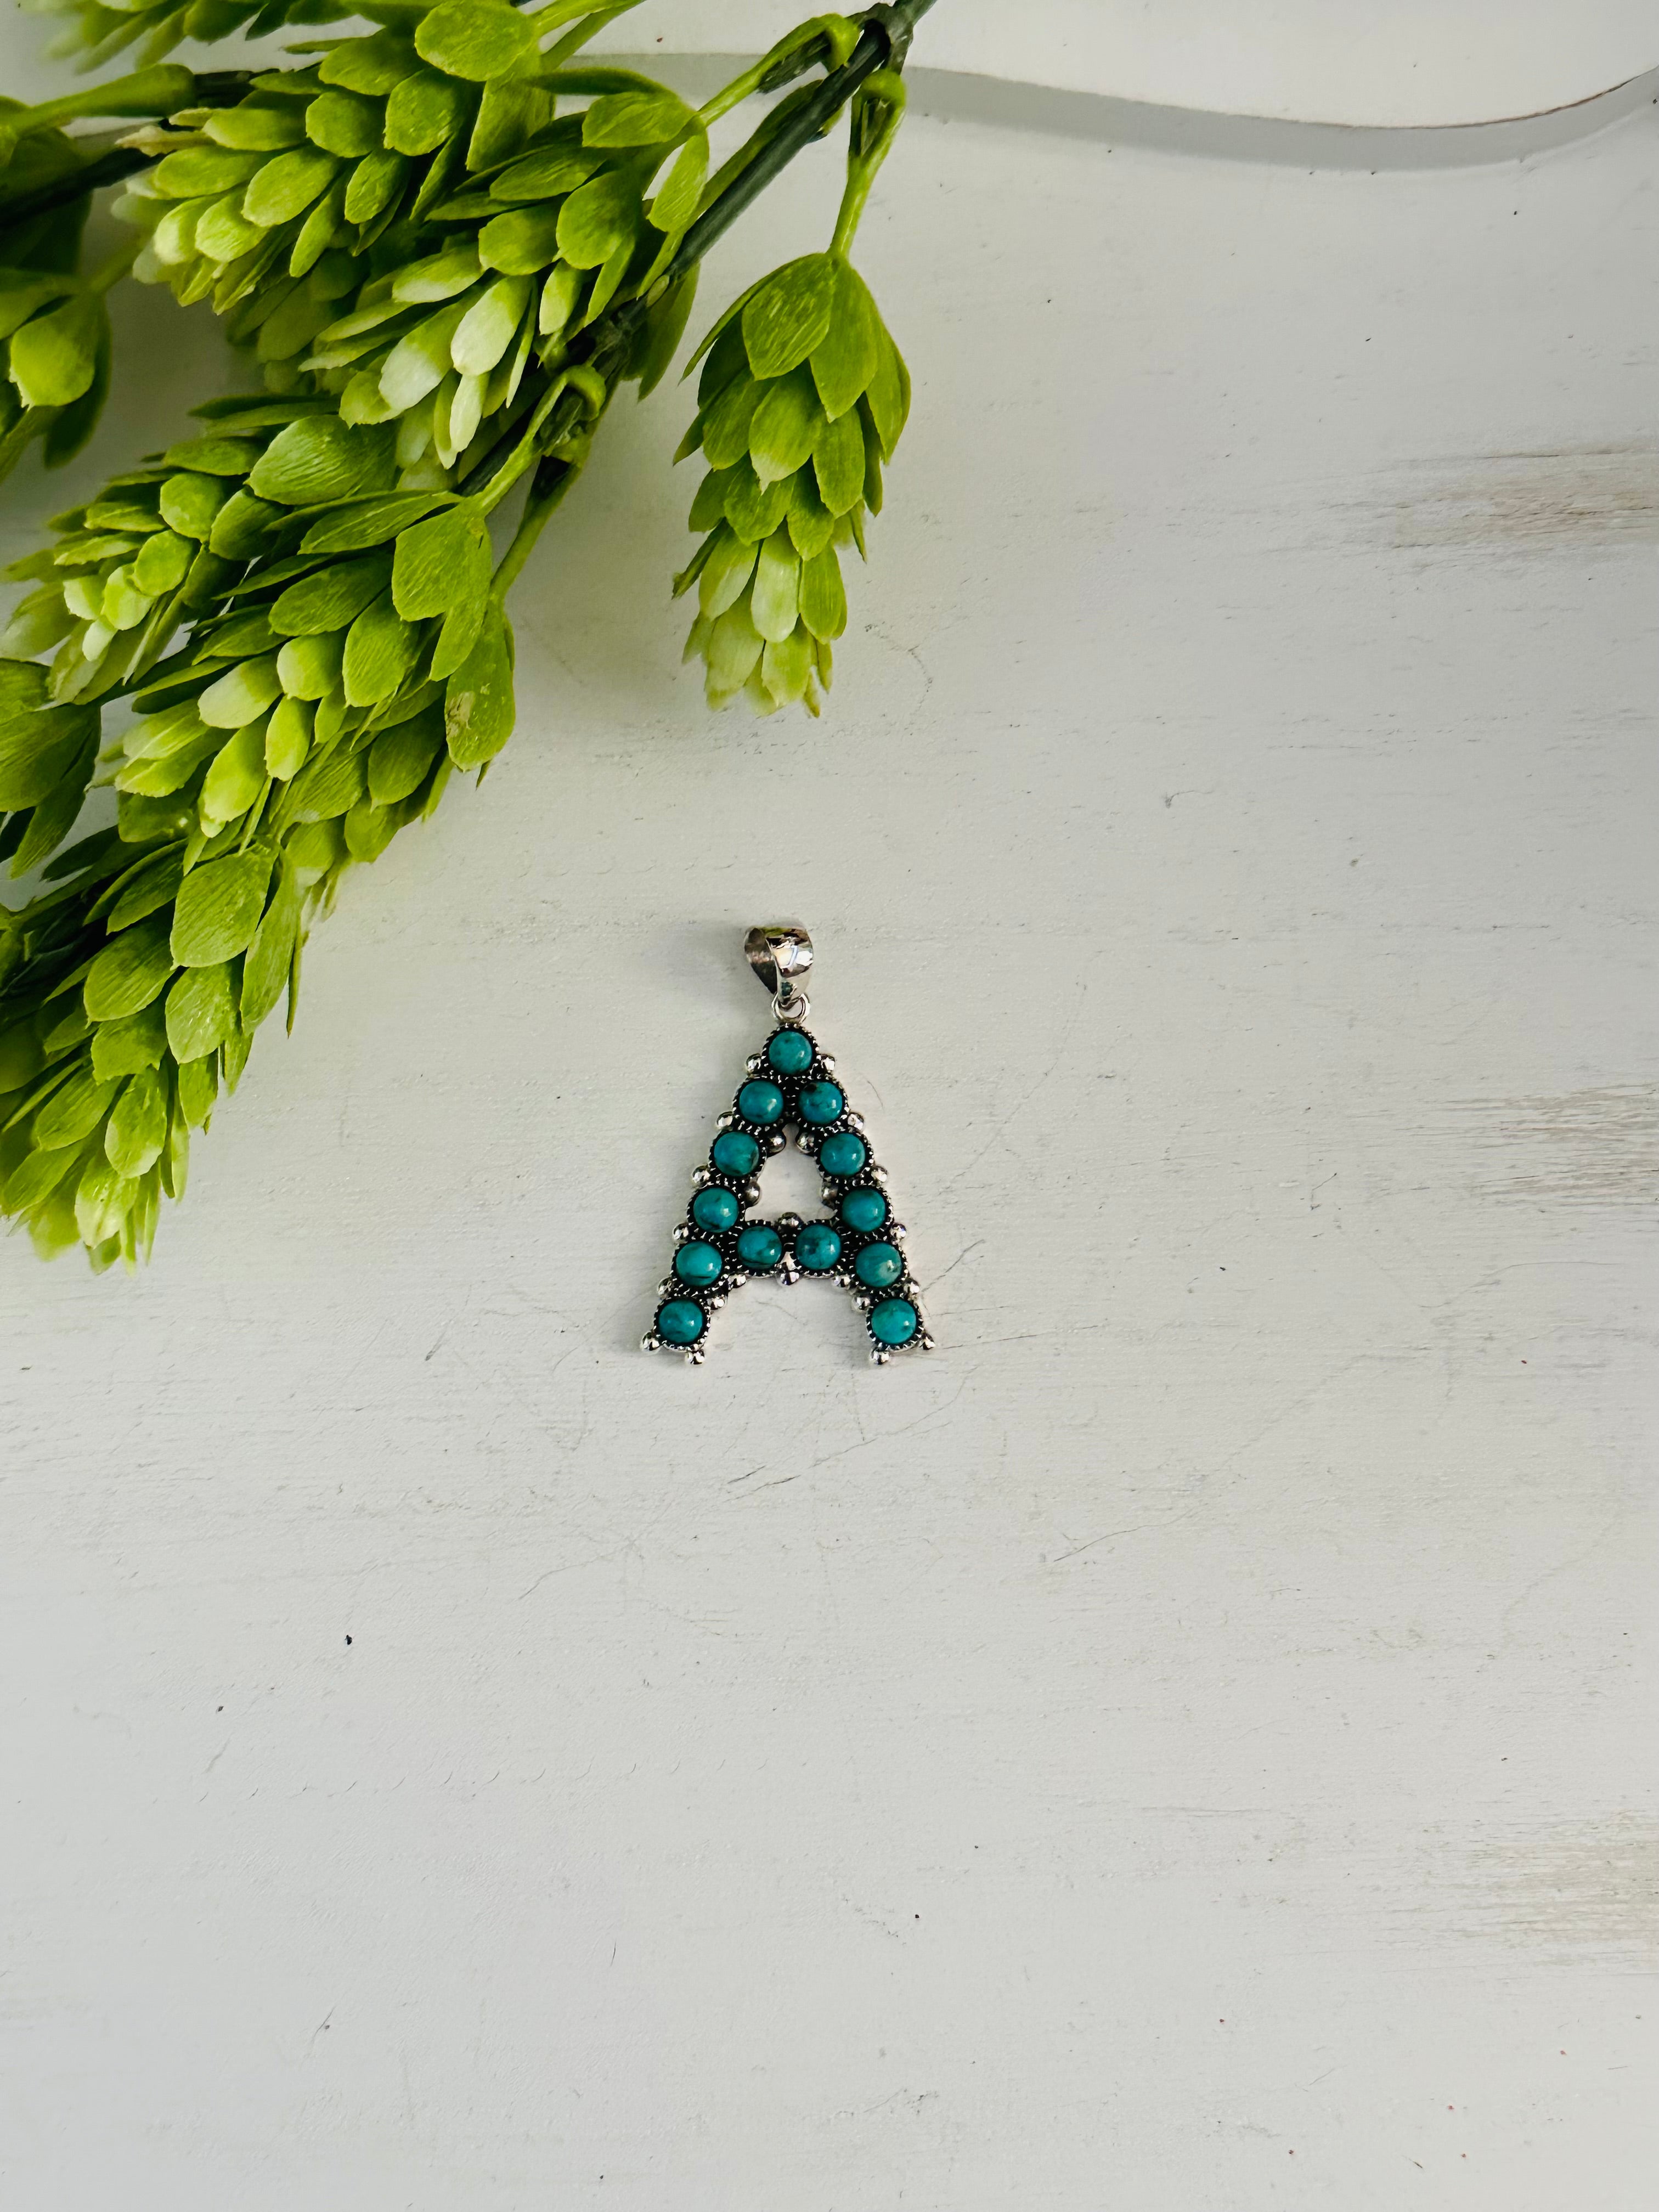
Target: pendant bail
x,y
779,952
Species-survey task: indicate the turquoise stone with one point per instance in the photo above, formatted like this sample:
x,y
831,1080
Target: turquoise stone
x,y
760,1102
863,1209
715,1209
818,1247
680,1321
760,1248
879,1266
843,1154
735,1153
791,1052
821,1103
697,1264
894,1322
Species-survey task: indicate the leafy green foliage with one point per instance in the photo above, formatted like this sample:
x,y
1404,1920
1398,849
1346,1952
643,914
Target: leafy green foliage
x,y
802,399
476,40
94,33
54,329
444,269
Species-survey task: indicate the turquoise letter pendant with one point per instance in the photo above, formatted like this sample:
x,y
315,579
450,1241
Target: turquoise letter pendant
x,y
719,1246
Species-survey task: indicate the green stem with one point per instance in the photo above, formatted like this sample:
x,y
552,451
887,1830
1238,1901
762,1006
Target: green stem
x,y
791,57
106,169
110,271
883,40
882,43
888,87
730,95
544,498
156,91
208,89
528,444
589,27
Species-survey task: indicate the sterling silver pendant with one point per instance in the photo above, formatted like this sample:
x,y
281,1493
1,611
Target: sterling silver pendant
x,y
721,1246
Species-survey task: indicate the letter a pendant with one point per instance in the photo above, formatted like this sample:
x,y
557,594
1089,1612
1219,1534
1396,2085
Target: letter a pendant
x,y
719,1246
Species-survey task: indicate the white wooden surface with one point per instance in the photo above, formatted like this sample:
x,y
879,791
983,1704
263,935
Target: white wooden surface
x,y
1389,64
1400,63
1186,1746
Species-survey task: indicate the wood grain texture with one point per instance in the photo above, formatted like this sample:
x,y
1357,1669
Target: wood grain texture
x,y
1189,1744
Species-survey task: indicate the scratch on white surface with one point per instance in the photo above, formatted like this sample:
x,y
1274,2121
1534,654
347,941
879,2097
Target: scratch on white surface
x,y
1005,1121
938,1279
1552,1573
1201,1498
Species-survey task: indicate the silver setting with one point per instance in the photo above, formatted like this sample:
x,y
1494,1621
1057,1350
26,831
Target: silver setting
x,y
779,953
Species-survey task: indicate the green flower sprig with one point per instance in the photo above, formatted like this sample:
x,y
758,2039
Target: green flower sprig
x,y
303,603
456,322
54,327
94,33
324,697
801,401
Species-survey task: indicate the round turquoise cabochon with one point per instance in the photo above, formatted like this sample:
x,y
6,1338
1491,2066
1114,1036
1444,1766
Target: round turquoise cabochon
x,y
818,1247
879,1266
697,1264
894,1322
760,1247
821,1103
790,1051
843,1154
734,1152
714,1208
760,1102
680,1321
863,1209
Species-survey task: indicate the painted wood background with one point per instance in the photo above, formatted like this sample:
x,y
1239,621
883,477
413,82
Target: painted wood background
x,y
1187,1744
1401,63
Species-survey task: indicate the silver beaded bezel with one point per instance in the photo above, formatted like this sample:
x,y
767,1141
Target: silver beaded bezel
x,y
771,1138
